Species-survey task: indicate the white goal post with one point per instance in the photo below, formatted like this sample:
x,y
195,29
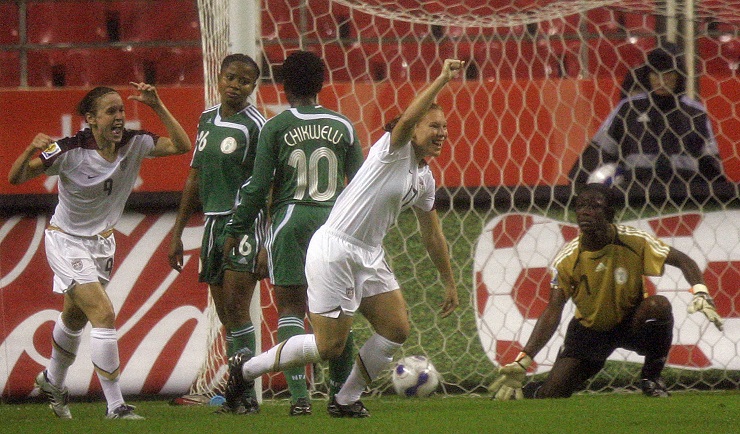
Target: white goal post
x,y
541,77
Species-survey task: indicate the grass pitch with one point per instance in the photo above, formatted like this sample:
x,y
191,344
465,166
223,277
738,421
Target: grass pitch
x,y
685,412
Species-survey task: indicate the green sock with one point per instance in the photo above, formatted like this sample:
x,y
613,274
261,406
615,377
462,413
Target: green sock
x,y
340,368
295,377
243,337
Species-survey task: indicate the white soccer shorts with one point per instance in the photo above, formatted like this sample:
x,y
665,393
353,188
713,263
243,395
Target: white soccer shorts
x,y
342,271
79,259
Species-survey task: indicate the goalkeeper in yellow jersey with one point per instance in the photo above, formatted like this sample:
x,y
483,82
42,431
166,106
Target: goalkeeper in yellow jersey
x,y
602,272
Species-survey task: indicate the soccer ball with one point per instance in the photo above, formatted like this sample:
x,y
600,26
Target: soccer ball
x,y
415,376
610,174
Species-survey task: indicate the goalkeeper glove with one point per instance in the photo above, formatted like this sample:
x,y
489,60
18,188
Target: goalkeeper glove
x,y
703,303
510,380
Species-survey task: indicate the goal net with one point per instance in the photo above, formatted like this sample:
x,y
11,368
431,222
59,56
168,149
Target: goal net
x,y
541,78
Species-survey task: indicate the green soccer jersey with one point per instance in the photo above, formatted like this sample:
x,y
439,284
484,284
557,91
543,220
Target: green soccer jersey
x,y
307,154
224,156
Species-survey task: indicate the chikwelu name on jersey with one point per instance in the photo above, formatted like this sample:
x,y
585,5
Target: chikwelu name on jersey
x,y
312,132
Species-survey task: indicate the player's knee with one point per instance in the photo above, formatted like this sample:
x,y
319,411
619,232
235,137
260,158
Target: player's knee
x,y
332,349
656,307
74,319
102,317
397,332
402,333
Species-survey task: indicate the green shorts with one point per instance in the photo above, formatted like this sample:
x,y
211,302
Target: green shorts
x,y
243,259
291,230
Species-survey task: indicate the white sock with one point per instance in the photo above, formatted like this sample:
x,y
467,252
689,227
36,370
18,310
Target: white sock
x,y
374,357
104,353
63,352
296,351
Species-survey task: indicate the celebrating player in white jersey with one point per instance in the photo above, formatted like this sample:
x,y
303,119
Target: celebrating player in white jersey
x,y
97,170
345,263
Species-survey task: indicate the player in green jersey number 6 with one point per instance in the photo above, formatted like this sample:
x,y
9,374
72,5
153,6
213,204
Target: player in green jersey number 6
x,y
223,159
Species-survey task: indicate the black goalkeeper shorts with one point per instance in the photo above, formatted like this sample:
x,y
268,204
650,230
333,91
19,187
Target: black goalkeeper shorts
x,y
586,344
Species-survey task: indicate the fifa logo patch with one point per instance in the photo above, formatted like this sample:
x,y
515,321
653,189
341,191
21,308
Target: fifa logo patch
x,y
51,150
351,292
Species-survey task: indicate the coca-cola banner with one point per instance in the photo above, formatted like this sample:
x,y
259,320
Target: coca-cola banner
x,y
161,319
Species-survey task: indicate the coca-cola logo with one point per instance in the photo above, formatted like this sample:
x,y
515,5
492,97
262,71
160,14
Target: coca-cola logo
x,y
160,321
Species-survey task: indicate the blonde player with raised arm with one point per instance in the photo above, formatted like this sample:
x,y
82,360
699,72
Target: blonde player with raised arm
x,y
345,264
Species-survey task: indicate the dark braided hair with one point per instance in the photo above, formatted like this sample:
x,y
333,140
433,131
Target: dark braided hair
x,y
303,74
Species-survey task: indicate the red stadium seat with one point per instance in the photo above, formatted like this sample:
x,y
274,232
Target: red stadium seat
x,y
614,57
65,21
412,61
10,73
280,24
178,65
163,20
635,23
719,56
560,27
133,20
9,30
349,62
511,59
84,67
603,20
324,20
43,65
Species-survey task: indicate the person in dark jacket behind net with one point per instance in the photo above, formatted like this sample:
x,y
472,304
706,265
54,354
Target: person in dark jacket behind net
x,y
661,136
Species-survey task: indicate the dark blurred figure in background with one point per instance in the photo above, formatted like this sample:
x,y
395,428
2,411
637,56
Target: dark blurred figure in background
x,y
658,136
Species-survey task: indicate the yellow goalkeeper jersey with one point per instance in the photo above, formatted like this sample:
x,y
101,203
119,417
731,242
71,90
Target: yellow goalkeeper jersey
x,y
607,285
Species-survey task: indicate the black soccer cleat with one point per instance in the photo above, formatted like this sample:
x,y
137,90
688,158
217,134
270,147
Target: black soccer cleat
x,y
243,406
236,385
355,410
248,405
654,388
124,411
301,407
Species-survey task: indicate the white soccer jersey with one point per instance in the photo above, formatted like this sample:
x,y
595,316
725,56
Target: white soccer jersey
x,y
92,190
386,184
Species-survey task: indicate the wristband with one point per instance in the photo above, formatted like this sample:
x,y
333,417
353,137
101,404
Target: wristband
x,y
524,360
699,288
